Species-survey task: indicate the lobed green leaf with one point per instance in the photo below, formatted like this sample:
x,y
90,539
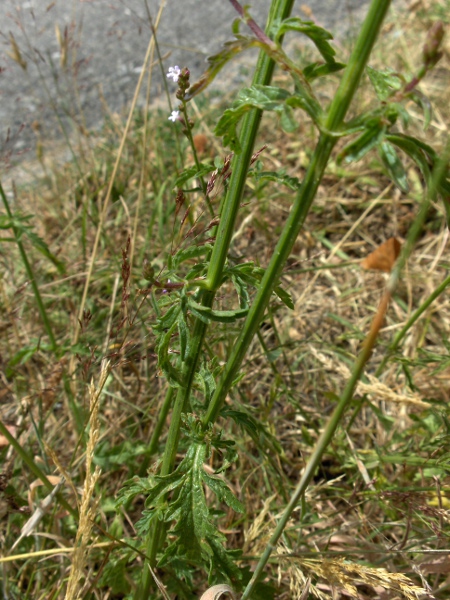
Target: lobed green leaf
x,y
393,165
316,34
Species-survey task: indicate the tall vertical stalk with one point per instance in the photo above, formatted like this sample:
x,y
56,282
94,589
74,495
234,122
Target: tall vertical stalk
x,y
333,123
280,9
347,395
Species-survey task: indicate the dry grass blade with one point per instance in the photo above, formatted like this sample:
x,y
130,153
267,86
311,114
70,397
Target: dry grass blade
x,y
15,53
39,512
159,584
347,576
107,199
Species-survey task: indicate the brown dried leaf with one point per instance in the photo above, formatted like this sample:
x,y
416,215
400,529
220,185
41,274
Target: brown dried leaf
x,y
12,430
54,480
200,143
384,257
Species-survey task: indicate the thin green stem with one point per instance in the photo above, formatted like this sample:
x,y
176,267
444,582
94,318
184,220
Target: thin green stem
x,y
188,374
30,274
411,239
156,434
321,446
240,164
410,322
334,120
280,9
188,132
347,395
35,469
189,370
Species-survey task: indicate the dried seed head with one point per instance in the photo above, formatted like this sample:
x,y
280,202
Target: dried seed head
x,y
431,53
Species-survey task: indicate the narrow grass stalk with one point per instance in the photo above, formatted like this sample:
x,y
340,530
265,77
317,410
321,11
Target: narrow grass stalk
x,y
363,357
333,124
410,322
153,444
322,443
32,466
145,152
30,274
190,137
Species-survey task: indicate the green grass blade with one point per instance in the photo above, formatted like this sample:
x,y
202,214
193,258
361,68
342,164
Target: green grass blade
x,y
30,274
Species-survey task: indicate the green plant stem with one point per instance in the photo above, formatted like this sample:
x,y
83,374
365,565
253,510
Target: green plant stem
x,y
321,445
30,274
153,444
411,239
280,9
189,370
35,469
410,322
188,374
228,215
188,132
333,123
347,395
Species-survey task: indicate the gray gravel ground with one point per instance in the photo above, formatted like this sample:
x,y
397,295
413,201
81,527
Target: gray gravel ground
x,y
107,40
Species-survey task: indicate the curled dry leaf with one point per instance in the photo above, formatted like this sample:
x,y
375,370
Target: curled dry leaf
x,y
384,257
39,512
217,591
54,480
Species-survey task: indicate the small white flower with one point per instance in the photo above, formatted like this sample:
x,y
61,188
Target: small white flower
x,y
174,116
174,73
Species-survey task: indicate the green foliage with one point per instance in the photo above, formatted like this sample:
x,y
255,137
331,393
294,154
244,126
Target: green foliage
x,y
385,83
177,496
319,36
115,575
112,458
195,536
393,165
188,254
179,344
165,328
207,315
293,183
20,224
262,97
192,173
